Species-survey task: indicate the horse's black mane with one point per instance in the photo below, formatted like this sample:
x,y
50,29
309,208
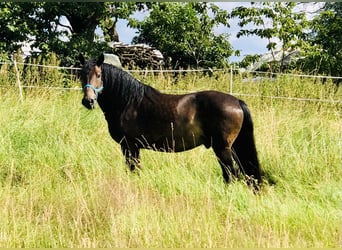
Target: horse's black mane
x,y
120,83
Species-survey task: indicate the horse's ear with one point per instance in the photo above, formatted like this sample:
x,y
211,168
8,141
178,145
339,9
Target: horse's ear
x,y
100,60
81,58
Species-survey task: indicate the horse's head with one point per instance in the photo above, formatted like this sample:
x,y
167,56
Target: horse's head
x,y
91,79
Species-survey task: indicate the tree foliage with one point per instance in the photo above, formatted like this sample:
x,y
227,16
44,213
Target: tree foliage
x,y
181,31
42,23
248,60
273,20
184,33
13,30
324,53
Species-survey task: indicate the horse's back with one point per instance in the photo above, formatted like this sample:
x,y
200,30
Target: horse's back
x,y
217,99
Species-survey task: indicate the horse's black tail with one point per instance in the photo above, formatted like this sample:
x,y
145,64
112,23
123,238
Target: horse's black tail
x,y
244,149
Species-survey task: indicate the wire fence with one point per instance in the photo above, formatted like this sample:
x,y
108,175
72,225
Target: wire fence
x,y
232,72
183,70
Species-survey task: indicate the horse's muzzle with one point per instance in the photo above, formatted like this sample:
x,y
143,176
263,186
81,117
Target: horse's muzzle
x,y
89,103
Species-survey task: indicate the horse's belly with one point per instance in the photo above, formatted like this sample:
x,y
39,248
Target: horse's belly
x,y
178,140
168,144
186,143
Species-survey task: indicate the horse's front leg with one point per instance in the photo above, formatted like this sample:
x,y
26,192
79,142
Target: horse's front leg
x,y
131,154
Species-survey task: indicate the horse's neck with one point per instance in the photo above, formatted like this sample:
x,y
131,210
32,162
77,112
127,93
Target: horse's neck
x,y
111,104
116,100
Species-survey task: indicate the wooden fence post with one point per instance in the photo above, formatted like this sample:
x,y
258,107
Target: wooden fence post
x,y
231,80
18,81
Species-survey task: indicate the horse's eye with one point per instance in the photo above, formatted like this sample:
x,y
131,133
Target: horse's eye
x,y
98,75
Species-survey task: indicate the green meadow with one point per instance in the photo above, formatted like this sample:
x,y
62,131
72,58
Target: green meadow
x,y
64,183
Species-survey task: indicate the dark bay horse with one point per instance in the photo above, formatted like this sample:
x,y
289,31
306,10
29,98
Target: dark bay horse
x,y
141,117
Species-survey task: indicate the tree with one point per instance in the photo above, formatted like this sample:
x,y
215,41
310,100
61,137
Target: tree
x,y
324,53
83,18
51,34
273,20
41,22
248,60
13,31
183,32
119,10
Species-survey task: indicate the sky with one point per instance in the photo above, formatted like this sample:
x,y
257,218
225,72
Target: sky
x,y
247,45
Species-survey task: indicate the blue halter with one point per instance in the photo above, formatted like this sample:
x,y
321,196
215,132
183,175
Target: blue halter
x,y
96,90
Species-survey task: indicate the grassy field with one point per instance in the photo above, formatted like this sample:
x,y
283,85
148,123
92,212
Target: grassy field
x,y
64,182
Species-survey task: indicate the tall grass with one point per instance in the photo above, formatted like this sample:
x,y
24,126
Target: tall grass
x,y
64,182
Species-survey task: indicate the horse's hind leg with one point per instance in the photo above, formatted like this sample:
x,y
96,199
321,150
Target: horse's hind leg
x,y
132,156
224,156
